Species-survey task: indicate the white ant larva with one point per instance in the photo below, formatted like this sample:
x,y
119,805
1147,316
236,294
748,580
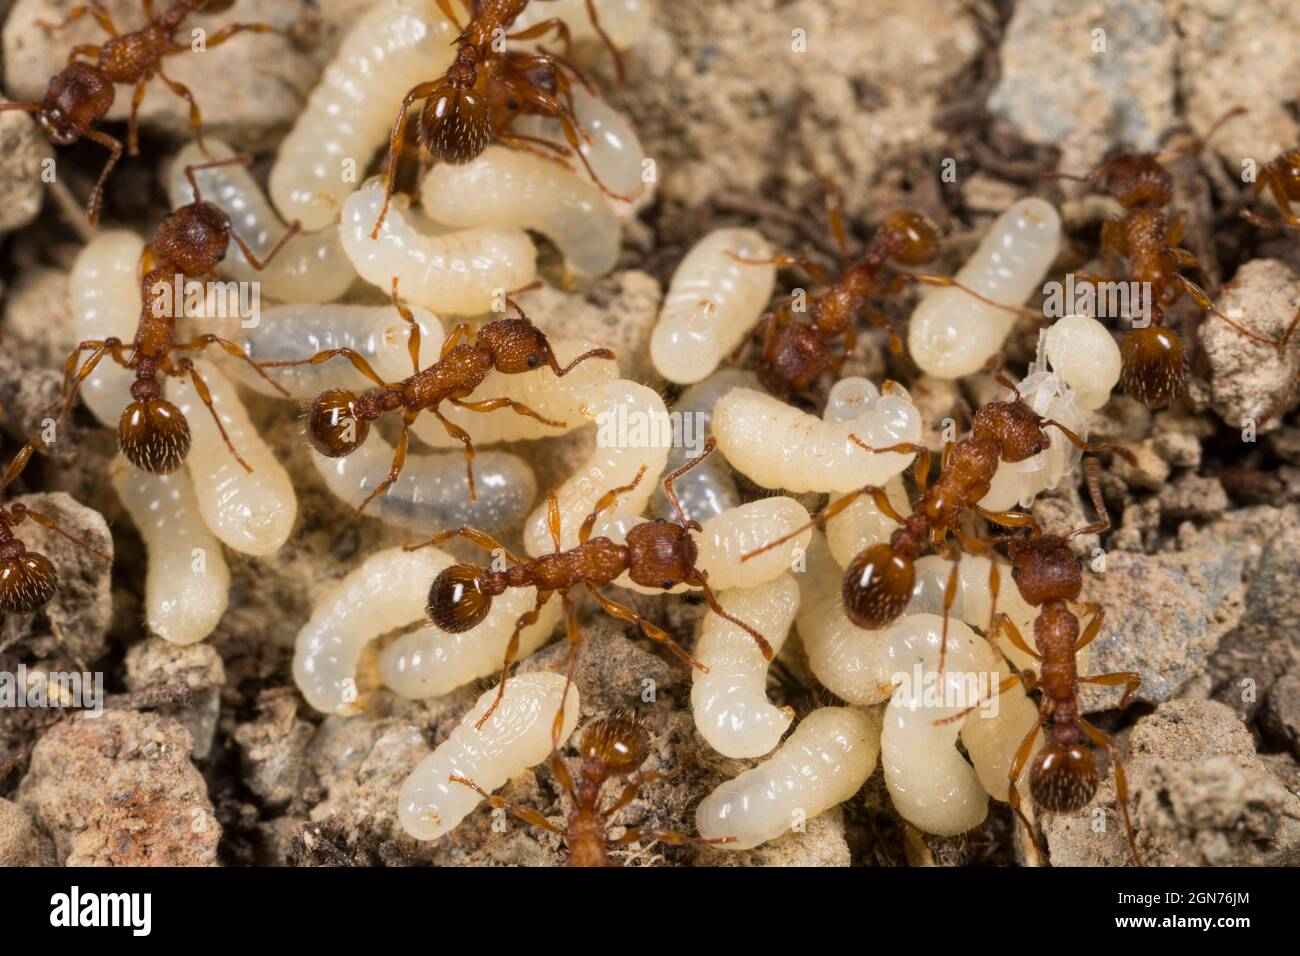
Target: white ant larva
x,y
188,583
1081,350
950,334
712,302
104,293
462,273
624,21
776,445
510,189
517,736
349,114
251,511
729,700
825,761
310,267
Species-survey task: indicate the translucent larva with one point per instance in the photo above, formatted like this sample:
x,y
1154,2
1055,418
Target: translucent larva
x,y
517,736
187,584
350,113
1081,350
776,445
462,273
310,267
104,293
951,334
252,512
729,701
712,302
509,189
624,21
828,757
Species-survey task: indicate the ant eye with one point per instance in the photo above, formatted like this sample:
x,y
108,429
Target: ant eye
x,y
667,585
1038,447
1015,573
533,361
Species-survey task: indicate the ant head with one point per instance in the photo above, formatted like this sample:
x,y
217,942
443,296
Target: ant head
x,y
194,237
1063,777
1139,179
1284,172
516,345
77,95
877,586
337,422
27,579
458,599
661,554
917,235
797,358
1153,365
1044,569
152,433
1016,427
620,743
455,124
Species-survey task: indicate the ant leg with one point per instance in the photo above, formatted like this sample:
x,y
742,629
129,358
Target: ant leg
x,y
226,32
535,145
494,404
203,341
20,511
949,599
260,264
1092,476
607,500
1010,519
320,358
623,613
418,92
573,634
902,448
512,651
878,496
133,121
450,14
111,347
1018,767
94,8
462,331
1280,404
1102,739
115,153
701,579
1082,445
201,388
671,837
543,27
553,519
1003,686
670,492
462,436
951,283
183,91
815,272
529,816
1129,680
413,337
481,538
394,470
1003,623
1098,615
1201,298
17,466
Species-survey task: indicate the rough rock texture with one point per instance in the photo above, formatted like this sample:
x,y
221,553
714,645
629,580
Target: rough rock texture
x,y
119,790
155,663
21,841
273,748
22,149
1282,711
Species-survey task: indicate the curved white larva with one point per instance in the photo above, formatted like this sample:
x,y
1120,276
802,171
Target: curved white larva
x,y
776,445
463,273
559,399
952,334
251,512
310,267
517,736
632,431
1083,352
429,662
729,701
712,302
509,189
828,757
350,113
862,524
187,584
104,293
432,492
376,332
624,21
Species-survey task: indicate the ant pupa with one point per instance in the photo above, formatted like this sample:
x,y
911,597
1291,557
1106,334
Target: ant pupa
x,y
82,92
338,421
28,579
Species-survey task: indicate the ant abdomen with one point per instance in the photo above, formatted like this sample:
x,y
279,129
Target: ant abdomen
x,y
620,743
154,436
797,359
333,426
877,586
457,600
1064,778
1154,365
455,125
27,579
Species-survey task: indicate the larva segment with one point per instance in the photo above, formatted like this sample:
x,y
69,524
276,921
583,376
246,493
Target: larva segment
x,y
712,303
310,267
517,736
104,293
467,272
188,583
828,757
951,334
624,21
507,189
729,701
349,114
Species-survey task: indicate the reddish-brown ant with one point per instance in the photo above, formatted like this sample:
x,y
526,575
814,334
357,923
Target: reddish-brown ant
x,y
1281,176
188,244
878,582
339,419
658,554
83,92
1064,777
483,90
27,578
610,747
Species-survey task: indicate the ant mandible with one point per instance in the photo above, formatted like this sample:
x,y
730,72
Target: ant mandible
x,y
189,243
83,92
28,579
339,419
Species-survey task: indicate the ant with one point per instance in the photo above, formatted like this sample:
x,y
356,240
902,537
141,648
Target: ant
x,y
1281,176
1064,777
464,111
189,243
27,578
339,419
658,554
878,582
83,92
1154,362
610,747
